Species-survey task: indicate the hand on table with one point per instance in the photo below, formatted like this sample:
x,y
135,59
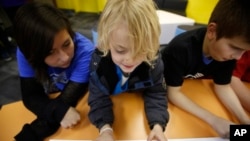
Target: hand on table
x,y
71,118
106,134
221,126
157,134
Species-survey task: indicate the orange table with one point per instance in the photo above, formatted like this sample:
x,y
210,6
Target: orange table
x,y
130,122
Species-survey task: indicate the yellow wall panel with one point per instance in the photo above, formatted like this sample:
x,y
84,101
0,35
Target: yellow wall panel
x,y
200,10
95,6
65,4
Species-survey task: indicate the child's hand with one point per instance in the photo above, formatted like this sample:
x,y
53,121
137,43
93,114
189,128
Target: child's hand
x,y
71,118
221,126
106,135
157,134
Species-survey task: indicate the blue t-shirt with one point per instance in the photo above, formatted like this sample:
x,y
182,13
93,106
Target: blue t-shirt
x,y
78,71
119,86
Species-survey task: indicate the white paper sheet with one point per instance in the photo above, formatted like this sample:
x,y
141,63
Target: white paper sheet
x,y
187,139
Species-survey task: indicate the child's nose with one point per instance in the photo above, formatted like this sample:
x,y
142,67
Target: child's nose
x,y
63,56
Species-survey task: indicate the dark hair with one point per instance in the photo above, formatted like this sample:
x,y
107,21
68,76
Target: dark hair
x,y
232,18
36,25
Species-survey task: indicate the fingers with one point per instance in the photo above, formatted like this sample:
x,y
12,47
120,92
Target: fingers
x,y
69,124
150,136
158,136
71,118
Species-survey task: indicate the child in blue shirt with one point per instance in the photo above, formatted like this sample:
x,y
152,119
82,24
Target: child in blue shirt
x,y
51,58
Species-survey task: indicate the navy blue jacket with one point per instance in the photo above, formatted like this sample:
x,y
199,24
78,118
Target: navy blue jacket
x,y
145,79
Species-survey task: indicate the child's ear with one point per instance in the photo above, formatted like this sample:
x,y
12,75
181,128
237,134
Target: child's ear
x,y
211,31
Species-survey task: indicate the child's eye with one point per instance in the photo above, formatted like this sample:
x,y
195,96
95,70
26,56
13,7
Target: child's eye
x,y
66,44
121,51
237,48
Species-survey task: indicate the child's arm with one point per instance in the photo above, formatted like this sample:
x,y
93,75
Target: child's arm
x,y
106,133
39,103
156,111
231,102
242,91
70,95
72,92
101,112
182,101
155,101
156,106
